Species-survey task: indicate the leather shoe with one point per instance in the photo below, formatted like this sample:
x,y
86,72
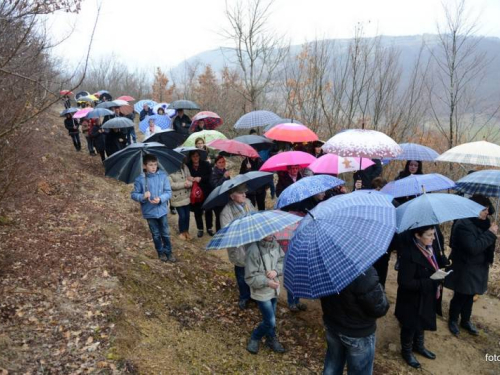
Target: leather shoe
x,y
453,327
275,345
469,327
210,232
426,353
200,233
410,359
253,346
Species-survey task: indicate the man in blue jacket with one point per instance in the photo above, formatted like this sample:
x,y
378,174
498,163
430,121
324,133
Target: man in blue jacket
x,y
152,190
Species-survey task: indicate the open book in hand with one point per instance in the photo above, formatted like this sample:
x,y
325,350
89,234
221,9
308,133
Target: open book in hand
x,y
440,274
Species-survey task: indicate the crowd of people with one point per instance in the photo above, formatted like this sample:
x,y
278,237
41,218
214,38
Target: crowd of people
x,y
349,316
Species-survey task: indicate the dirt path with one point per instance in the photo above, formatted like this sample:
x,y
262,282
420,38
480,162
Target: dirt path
x,y
81,291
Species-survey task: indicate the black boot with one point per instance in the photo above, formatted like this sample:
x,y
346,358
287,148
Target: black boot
x,y
275,345
253,346
469,327
418,346
453,327
406,349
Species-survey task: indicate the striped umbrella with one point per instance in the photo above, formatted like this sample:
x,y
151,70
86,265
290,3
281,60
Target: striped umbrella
x,y
417,184
477,153
163,122
256,119
413,151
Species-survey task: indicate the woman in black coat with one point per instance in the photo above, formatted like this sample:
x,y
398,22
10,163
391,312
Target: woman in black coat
x,y
217,178
473,246
418,295
257,197
99,139
72,126
411,167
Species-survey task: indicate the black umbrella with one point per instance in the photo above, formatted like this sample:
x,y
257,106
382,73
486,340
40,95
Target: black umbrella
x,y
168,138
183,104
69,110
282,121
187,150
105,95
125,165
107,105
253,180
258,142
118,123
81,94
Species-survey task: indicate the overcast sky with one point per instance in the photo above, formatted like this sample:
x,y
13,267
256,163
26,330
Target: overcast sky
x,y
150,33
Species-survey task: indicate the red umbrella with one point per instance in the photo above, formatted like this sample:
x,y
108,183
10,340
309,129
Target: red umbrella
x,y
65,92
234,147
211,120
126,98
291,132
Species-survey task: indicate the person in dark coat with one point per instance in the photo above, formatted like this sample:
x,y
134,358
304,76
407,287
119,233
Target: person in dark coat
x,y
363,179
99,139
418,295
411,167
217,178
472,244
115,141
72,126
182,122
316,149
200,125
288,177
257,197
350,324
201,171
146,111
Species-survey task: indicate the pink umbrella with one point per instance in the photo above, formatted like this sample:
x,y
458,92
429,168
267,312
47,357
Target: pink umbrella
x,y
126,98
234,147
65,92
82,112
334,164
281,161
291,132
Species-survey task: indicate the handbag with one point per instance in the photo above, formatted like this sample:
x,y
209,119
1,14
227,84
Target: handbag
x,y
197,195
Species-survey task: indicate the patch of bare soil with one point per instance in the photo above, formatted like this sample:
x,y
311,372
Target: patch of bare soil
x,y
82,291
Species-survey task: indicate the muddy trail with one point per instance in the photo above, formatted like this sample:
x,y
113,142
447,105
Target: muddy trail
x,y
82,291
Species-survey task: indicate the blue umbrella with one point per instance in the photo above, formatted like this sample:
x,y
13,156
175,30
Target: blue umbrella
x,y
432,209
69,110
305,188
417,184
163,122
251,228
485,182
139,106
256,119
413,151
99,112
336,242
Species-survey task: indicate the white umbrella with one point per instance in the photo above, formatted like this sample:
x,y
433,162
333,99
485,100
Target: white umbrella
x,y
478,153
362,143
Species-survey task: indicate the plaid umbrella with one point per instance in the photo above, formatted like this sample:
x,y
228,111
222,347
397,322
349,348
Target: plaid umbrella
x,y
139,106
432,209
478,153
413,151
282,121
183,104
251,228
362,143
417,184
305,188
338,241
206,135
163,122
168,138
485,182
256,119
211,120
118,123
258,142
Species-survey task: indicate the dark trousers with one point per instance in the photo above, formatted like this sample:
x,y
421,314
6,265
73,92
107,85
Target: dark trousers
x,y
258,200
76,141
102,154
461,305
198,216
382,266
243,287
90,145
184,213
217,211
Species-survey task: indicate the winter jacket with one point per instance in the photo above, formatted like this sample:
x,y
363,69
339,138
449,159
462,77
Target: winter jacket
x,y
178,124
143,114
367,175
217,177
159,186
472,252
261,257
204,171
284,181
180,194
69,123
98,138
115,141
354,311
230,212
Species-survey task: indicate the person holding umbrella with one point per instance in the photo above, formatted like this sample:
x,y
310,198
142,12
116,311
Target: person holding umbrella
x,y
219,175
258,197
72,126
288,177
98,136
146,111
115,141
411,167
200,125
200,143
181,182
152,128
86,128
182,122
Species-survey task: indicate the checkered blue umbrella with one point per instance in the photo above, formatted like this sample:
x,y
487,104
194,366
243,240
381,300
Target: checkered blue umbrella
x,y
256,119
338,241
251,228
139,106
485,182
432,209
305,188
413,151
164,122
418,184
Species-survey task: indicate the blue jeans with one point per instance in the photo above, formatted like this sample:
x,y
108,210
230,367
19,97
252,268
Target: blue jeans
x,y
267,327
184,212
161,235
243,287
358,352
291,299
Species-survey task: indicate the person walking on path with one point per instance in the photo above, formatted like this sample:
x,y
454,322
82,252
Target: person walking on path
x,y
72,126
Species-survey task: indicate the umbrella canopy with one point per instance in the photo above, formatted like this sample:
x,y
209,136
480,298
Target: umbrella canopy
x,y
251,228
256,119
88,99
120,102
125,165
432,209
362,143
282,121
99,112
305,188
65,92
478,153
334,164
207,135
168,138
126,109
169,112
338,241
291,133
413,151
103,94
253,180
162,121
139,106
82,112
69,110
107,105
126,98
186,150
211,120
118,123
485,182
183,104
233,147
81,94
281,161
258,142
417,184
